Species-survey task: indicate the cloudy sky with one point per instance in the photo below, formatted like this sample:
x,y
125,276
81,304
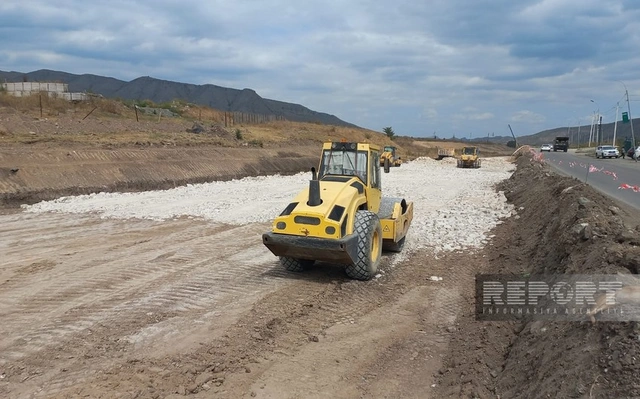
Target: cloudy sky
x,y
449,67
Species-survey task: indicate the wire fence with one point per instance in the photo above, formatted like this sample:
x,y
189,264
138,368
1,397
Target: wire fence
x,y
239,118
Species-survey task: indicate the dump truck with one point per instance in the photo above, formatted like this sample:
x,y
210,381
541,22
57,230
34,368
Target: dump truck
x,y
469,158
445,152
341,217
561,144
388,158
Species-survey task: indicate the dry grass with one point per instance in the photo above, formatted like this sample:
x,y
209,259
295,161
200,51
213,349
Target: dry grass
x,y
117,139
201,113
106,122
45,106
285,131
422,147
49,106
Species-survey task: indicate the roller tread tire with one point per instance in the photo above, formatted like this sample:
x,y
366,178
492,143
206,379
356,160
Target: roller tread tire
x,y
294,264
364,268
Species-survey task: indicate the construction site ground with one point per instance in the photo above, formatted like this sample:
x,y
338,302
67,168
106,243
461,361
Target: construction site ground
x,y
171,294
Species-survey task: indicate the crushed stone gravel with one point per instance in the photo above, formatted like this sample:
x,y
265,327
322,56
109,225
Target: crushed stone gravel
x,y
454,208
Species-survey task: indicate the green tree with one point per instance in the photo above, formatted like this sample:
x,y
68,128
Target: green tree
x,y
389,132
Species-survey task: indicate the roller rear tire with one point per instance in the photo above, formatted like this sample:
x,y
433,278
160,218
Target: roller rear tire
x,y
369,231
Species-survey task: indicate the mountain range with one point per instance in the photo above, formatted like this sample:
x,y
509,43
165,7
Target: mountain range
x,y
248,101
161,91
578,135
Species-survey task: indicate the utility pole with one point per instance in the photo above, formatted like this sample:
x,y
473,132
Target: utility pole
x,y
591,130
615,125
579,134
626,93
599,129
598,120
633,137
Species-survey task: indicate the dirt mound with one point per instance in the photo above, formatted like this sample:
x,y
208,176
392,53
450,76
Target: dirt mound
x,y
563,227
571,227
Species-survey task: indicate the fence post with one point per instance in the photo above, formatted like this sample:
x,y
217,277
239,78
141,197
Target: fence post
x,y
85,117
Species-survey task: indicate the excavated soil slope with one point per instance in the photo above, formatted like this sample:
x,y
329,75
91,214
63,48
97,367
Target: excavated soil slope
x,y
29,174
562,226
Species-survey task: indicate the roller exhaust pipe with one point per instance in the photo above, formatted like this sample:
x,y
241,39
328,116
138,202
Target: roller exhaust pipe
x,y
314,189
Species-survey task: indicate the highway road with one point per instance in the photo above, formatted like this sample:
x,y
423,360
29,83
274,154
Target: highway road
x,y
611,176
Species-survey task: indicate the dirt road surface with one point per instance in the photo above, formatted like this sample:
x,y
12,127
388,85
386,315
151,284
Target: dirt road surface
x,y
171,293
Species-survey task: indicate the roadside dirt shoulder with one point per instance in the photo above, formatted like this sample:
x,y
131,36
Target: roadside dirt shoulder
x,y
562,227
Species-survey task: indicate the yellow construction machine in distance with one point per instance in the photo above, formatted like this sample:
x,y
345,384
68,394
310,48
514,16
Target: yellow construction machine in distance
x,y
445,152
469,158
388,158
342,217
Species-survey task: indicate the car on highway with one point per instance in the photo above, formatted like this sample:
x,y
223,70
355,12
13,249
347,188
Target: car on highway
x,y
607,151
546,147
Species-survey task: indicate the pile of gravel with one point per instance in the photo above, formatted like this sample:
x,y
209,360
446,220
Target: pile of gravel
x,y
453,208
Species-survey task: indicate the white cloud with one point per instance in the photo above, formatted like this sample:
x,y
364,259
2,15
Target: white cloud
x,y
527,117
480,117
411,65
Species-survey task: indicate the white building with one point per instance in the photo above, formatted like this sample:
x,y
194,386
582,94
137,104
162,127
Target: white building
x,y
56,90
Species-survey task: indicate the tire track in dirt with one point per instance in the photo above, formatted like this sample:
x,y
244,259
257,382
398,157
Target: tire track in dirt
x,y
146,284
104,289
389,328
407,367
324,283
278,330
9,186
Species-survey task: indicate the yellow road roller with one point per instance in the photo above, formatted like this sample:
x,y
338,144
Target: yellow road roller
x,y
341,217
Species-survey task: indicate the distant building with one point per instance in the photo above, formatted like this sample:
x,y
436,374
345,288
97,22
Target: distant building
x,y
55,90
